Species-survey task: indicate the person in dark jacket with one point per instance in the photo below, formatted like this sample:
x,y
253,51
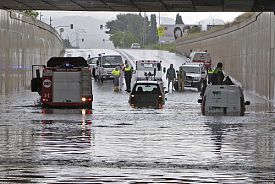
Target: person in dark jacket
x,y
128,76
217,76
171,76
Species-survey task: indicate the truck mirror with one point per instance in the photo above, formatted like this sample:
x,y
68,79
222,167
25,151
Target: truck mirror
x,y
72,26
200,100
164,69
247,102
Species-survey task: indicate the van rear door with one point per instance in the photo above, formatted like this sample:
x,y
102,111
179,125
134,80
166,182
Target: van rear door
x,y
216,100
234,100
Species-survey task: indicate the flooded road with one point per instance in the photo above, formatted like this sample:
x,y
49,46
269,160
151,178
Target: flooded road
x,y
115,143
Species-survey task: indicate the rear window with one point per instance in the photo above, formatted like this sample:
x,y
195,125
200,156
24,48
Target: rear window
x,y
147,88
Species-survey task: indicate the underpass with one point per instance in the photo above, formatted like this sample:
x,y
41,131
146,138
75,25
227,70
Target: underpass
x,y
120,144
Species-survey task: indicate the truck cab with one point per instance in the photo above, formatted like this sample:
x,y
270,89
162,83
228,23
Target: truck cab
x,y
148,70
65,82
201,57
106,63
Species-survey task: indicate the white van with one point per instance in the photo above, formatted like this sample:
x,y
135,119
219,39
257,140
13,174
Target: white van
x,y
223,100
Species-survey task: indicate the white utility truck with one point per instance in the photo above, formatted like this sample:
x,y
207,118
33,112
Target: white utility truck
x,y
148,70
65,82
105,65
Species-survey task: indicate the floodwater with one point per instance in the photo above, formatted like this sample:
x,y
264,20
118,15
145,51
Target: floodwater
x,y
115,143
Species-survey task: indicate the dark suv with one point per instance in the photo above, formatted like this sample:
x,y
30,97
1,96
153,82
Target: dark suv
x,y
147,94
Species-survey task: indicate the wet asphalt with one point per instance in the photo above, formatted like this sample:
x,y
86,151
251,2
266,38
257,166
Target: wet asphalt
x,y
115,143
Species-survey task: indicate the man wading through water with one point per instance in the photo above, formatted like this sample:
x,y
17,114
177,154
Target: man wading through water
x,y
171,76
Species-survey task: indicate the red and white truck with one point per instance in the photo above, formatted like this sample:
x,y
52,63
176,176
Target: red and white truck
x,y
65,82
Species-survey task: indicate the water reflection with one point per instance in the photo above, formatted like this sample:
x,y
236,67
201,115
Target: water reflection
x,y
66,111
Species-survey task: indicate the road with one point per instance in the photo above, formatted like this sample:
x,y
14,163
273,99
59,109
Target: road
x,y
119,144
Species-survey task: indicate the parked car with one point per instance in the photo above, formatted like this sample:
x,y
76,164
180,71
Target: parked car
x,y
147,94
135,46
223,100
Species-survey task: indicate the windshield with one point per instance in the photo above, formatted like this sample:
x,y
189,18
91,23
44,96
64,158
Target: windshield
x,y
191,69
201,56
111,60
92,61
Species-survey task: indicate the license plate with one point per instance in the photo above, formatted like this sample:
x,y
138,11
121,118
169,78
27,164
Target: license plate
x,y
216,109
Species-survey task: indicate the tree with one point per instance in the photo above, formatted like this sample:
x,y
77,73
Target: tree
x,y
154,37
123,39
31,13
133,27
178,19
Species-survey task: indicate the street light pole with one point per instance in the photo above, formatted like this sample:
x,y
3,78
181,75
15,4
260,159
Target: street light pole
x,y
123,39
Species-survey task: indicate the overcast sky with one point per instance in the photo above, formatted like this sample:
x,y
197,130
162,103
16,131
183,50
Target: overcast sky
x,y
187,17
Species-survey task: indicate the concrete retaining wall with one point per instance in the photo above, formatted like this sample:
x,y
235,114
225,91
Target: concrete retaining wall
x,y
247,51
23,42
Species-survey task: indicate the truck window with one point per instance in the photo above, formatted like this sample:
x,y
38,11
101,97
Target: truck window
x,y
111,61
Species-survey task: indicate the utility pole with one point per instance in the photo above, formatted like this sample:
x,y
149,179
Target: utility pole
x,y
51,21
144,30
40,16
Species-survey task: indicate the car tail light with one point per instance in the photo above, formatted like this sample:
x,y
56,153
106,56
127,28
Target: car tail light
x,y
83,99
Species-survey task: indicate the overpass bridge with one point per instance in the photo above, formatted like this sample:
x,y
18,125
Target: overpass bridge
x,y
141,5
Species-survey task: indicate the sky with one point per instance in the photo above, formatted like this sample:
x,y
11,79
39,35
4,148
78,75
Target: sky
x,y
187,17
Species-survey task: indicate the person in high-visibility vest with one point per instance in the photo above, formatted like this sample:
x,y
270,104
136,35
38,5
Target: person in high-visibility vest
x,y
128,76
116,73
209,75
